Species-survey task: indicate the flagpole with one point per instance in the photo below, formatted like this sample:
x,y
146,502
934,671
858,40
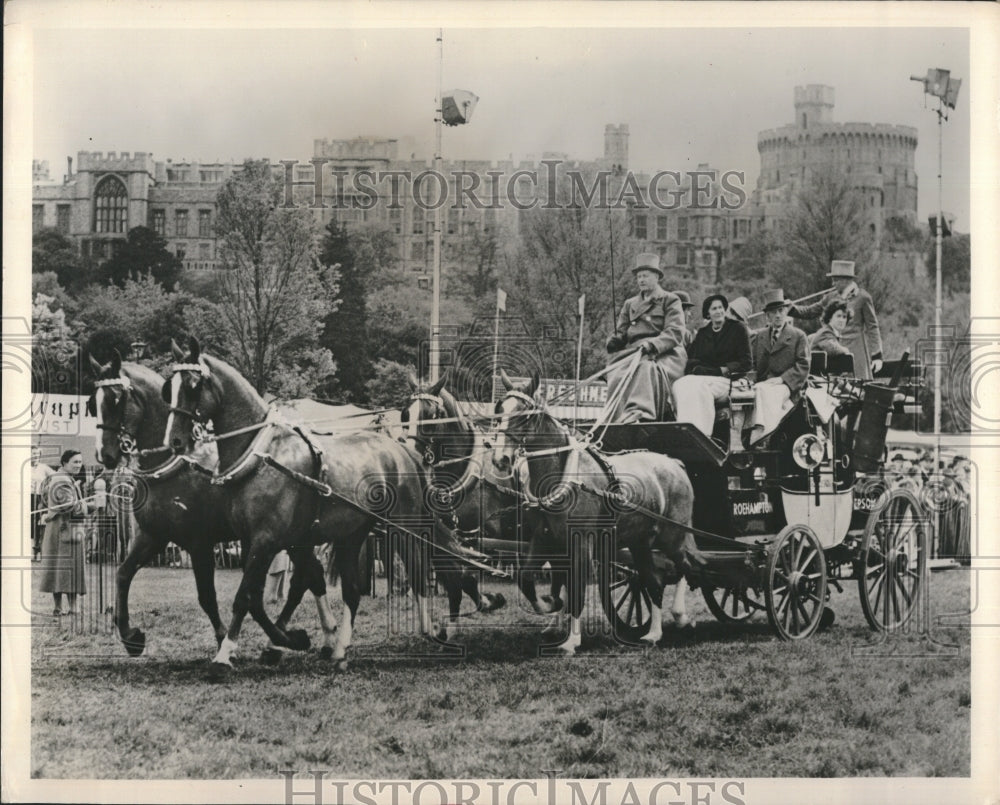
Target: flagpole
x,y
435,356
579,359
501,306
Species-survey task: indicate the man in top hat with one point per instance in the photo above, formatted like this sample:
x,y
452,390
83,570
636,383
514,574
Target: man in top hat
x,y
688,306
781,366
651,322
862,335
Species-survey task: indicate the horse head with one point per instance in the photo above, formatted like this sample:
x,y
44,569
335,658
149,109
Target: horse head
x,y
426,404
521,421
194,397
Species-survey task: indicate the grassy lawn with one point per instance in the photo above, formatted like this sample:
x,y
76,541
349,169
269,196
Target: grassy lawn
x,y
731,701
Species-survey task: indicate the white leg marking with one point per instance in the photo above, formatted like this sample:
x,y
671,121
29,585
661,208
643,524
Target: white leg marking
x,y
327,620
344,635
424,612
572,641
655,626
99,439
679,608
226,651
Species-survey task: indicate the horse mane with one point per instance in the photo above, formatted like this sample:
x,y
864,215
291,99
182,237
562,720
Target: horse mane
x,y
237,383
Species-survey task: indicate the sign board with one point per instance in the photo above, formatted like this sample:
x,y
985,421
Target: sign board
x,y
62,415
563,392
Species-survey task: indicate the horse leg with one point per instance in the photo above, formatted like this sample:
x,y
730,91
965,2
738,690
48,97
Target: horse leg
x,y
642,556
679,607
555,602
576,589
144,548
454,586
203,567
346,561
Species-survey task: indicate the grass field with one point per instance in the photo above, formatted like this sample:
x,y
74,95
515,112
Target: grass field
x,y
731,701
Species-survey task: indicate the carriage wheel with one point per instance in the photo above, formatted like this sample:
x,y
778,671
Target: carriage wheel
x,y
893,562
795,593
627,605
733,604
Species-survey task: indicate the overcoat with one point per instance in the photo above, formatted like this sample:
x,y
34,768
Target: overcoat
x,y
62,564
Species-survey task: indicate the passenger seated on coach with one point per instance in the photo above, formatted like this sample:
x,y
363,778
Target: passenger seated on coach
x,y
718,356
781,367
827,338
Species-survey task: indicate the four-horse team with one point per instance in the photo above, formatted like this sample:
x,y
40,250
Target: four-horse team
x,y
723,460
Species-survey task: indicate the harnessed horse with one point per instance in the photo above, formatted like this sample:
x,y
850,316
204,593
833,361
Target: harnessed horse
x,y
479,502
570,482
177,502
287,488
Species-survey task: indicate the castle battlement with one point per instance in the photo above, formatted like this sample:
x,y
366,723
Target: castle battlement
x,y
98,160
816,134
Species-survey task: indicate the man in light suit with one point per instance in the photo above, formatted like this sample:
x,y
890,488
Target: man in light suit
x,y
651,322
862,335
781,366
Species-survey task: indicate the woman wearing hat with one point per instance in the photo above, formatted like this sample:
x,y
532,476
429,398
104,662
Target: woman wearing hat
x,y
781,366
63,544
651,322
861,334
719,354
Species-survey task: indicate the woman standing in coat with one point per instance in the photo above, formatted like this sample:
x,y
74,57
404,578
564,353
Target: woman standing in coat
x,y
65,532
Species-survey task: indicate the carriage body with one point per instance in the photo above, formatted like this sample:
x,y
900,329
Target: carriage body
x,y
781,524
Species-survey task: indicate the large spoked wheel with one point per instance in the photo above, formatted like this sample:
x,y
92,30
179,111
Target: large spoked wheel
x,y
733,604
626,603
893,562
795,592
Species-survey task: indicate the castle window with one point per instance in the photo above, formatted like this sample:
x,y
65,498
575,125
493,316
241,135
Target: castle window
x,y
682,256
158,222
37,217
640,227
682,229
204,223
62,218
181,223
804,120
661,227
110,205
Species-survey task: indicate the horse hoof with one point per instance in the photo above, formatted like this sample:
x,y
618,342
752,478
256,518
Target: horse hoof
x,y
135,643
326,653
298,640
270,656
495,601
827,619
219,672
341,666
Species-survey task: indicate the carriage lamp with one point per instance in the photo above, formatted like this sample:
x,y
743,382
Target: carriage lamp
x,y
759,475
808,451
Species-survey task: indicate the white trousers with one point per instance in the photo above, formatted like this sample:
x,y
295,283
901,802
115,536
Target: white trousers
x,y
695,397
771,403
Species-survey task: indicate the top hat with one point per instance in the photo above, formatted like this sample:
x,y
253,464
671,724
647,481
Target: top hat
x,y
648,261
708,303
774,299
685,298
842,268
741,309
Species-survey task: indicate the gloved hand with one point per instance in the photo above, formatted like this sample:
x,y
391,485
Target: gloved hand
x,y
615,342
876,366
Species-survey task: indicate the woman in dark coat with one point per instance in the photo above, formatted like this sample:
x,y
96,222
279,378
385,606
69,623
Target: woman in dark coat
x,y
719,354
65,531
827,337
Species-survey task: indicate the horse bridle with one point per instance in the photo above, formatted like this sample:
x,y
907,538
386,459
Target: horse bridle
x,y
199,426
127,443
533,410
426,445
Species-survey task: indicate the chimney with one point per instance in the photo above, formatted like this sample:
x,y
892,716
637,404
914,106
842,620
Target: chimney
x,y
69,168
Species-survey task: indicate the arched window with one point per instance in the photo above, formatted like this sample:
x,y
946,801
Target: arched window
x,y
110,206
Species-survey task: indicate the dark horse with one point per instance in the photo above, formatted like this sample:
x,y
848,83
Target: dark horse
x,y
480,501
175,501
285,489
570,482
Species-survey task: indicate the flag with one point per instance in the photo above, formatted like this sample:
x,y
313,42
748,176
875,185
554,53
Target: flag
x,y
580,304
501,300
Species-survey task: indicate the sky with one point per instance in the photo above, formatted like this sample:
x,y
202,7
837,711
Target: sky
x,y
689,95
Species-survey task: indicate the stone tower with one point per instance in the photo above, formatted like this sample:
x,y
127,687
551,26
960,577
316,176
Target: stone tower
x,y
616,146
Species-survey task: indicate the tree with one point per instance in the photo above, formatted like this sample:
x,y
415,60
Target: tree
x,y
475,276
390,385
54,350
345,329
956,263
274,294
53,251
565,253
143,254
828,222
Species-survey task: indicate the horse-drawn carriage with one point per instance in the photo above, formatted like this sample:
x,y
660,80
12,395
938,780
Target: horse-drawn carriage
x,y
780,524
